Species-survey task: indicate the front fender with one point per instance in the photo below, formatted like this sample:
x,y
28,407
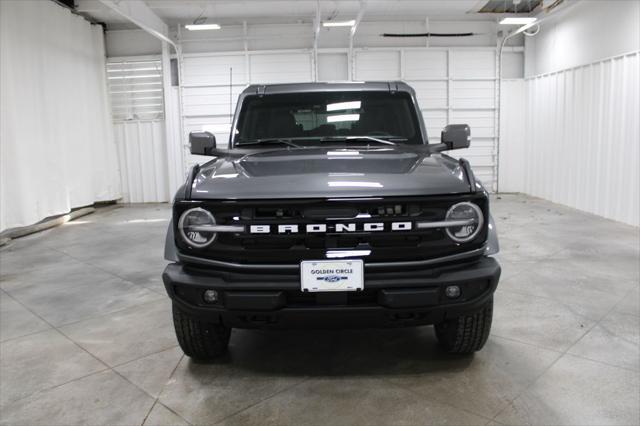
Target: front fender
x,y
170,251
493,246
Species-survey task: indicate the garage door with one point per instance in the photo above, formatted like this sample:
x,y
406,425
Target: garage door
x,y
211,84
452,86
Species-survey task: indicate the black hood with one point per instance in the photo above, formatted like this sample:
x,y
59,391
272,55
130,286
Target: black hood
x,y
329,172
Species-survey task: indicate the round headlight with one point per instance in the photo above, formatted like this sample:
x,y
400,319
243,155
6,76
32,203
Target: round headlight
x,y
470,217
193,227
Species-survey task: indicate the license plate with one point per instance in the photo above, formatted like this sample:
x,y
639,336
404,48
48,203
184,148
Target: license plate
x,y
332,275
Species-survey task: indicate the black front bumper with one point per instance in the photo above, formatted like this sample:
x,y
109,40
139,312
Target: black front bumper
x,y
396,298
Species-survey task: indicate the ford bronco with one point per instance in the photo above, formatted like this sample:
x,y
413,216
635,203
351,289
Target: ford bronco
x,y
329,207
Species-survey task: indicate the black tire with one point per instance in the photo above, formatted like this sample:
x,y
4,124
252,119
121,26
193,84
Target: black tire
x,y
467,333
199,340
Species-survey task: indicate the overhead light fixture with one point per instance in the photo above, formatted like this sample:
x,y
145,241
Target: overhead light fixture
x,y
339,23
518,20
201,27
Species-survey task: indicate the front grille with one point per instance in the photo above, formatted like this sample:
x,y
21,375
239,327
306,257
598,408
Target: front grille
x,y
288,248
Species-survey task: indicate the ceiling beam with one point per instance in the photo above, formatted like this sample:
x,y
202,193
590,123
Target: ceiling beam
x,y
361,10
137,12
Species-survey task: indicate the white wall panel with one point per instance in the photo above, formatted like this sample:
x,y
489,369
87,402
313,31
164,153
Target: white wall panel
x,y
473,94
583,33
512,159
131,43
280,67
333,67
211,100
482,122
512,64
425,64
431,94
377,65
143,161
582,138
583,145
473,64
435,120
213,70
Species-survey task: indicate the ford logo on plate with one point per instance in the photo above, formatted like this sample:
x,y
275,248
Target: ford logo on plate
x,y
332,278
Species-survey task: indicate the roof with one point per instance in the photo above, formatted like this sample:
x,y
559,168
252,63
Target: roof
x,y
345,86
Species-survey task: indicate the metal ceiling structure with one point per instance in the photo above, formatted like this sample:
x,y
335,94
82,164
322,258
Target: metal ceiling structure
x,y
234,12
510,6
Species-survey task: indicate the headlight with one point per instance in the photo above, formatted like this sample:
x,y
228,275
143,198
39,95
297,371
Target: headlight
x,y
470,217
193,226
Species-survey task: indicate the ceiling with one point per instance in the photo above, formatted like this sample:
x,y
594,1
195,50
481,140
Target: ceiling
x,y
230,12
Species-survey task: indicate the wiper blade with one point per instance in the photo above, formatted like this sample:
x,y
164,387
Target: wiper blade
x,y
362,138
267,141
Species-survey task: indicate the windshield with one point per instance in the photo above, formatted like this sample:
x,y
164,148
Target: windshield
x,y
326,117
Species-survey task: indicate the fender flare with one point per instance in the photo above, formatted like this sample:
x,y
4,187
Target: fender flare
x,y
493,246
170,251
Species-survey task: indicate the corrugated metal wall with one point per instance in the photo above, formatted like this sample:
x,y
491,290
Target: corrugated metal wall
x,y
582,138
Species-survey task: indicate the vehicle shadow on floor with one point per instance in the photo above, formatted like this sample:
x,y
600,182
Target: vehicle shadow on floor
x,y
370,352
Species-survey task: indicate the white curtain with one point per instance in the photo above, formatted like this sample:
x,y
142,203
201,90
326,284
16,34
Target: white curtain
x,y
56,137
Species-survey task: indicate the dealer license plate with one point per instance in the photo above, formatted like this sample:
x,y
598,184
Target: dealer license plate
x,y
332,275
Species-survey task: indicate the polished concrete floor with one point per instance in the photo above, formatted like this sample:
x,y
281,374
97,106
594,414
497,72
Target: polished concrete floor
x,y
86,338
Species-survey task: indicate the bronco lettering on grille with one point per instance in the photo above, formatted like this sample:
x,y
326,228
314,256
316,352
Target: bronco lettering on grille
x,y
338,228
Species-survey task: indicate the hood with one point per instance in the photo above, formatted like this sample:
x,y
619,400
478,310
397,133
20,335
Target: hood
x,y
328,173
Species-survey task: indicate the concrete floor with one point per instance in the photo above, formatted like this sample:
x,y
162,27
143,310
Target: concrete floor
x,y
87,338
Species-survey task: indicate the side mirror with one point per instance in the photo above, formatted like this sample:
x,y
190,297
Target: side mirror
x,y
456,136
202,143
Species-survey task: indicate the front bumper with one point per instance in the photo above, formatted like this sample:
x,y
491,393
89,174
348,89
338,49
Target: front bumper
x,y
396,298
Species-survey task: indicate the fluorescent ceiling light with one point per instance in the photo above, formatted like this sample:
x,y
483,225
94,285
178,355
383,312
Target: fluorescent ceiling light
x,y
339,23
342,117
339,106
200,27
518,20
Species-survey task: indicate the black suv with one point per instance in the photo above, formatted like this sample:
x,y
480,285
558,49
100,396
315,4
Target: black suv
x,y
329,208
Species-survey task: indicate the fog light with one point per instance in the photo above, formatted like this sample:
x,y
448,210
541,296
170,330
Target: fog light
x,y
210,296
452,291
